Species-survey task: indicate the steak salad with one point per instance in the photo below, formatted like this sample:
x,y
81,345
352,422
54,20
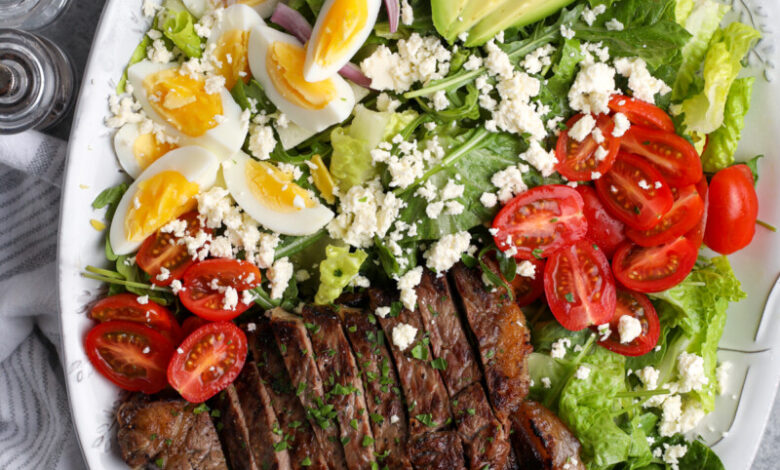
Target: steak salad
x,y
423,234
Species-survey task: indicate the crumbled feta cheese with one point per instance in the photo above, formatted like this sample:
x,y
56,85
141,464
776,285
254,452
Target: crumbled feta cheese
x,y
592,89
673,454
642,84
434,209
515,113
567,32
558,350
452,190
594,175
247,298
604,332
601,153
671,412
407,13
443,254
590,15
649,377
526,269
158,53
229,298
407,284
366,212
360,281
630,328
150,8
614,25
497,61
123,110
582,128
418,60
454,207
386,103
439,100
382,312
722,372
280,274
473,63
622,125
546,382
164,274
598,136
583,372
404,335
394,419
177,287
261,141
488,200
537,60
142,299
540,159
644,184
691,370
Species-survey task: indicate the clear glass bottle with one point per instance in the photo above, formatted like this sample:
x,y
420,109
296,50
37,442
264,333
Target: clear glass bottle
x,y
30,14
36,82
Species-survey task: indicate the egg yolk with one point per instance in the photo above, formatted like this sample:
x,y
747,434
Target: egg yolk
x,y
284,63
343,22
147,149
183,102
231,54
158,200
323,180
275,189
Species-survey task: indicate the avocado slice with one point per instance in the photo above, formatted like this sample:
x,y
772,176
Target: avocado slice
x,y
445,14
512,13
472,13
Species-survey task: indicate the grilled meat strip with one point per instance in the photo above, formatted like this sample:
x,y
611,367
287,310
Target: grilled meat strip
x,y
502,337
302,445
385,405
298,356
484,437
166,430
441,450
543,441
343,387
426,395
265,436
448,340
234,431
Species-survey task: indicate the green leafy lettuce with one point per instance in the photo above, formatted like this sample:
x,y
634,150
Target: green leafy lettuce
x,y
337,270
351,162
704,112
723,142
178,25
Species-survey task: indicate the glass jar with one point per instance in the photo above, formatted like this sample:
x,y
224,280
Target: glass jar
x,y
30,14
36,82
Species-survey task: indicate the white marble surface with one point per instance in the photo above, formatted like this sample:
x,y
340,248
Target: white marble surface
x,y
74,31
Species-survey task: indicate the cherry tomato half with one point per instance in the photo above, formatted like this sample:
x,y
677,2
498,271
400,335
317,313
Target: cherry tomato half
x,y
656,268
162,250
642,113
527,289
672,155
127,308
685,215
578,161
635,193
579,286
207,283
207,361
636,305
131,355
733,210
540,221
604,230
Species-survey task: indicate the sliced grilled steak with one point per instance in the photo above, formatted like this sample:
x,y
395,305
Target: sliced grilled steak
x,y
298,356
484,437
441,450
343,387
265,436
448,340
233,430
426,395
502,336
302,444
543,441
388,419
166,431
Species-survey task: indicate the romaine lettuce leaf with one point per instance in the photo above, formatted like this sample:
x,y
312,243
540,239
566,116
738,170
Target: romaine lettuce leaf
x,y
723,142
704,112
683,10
337,270
178,25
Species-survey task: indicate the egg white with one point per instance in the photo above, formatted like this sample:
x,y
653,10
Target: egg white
x,y
314,71
198,8
223,140
235,17
303,222
339,109
196,164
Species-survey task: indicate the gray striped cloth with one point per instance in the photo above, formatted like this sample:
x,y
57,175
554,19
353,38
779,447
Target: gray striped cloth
x,y
35,426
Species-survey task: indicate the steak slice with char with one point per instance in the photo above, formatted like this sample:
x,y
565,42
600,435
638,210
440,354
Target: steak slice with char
x,y
426,394
543,441
298,357
302,444
168,431
502,337
388,419
486,440
442,450
234,431
448,339
343,387
261,421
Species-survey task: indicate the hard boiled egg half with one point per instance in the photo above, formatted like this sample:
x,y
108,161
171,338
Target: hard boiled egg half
x,y
342,28
199,8
277,61
163,192
137,148
271,197
182,103
230,39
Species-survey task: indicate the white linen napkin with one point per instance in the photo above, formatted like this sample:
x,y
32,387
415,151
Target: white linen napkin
x,y
35,425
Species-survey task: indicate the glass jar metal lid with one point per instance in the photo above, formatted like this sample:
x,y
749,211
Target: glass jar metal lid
x,y
30,14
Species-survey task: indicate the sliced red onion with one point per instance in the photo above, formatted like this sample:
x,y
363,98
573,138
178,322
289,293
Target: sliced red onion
x,y
296,24
393,14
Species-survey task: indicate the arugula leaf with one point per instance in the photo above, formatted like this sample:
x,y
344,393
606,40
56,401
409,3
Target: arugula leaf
x,y
753,165
555,94
110,197
700,457
723,142
247,93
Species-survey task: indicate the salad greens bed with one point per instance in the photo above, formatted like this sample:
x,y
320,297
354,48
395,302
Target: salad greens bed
x,y
624,413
